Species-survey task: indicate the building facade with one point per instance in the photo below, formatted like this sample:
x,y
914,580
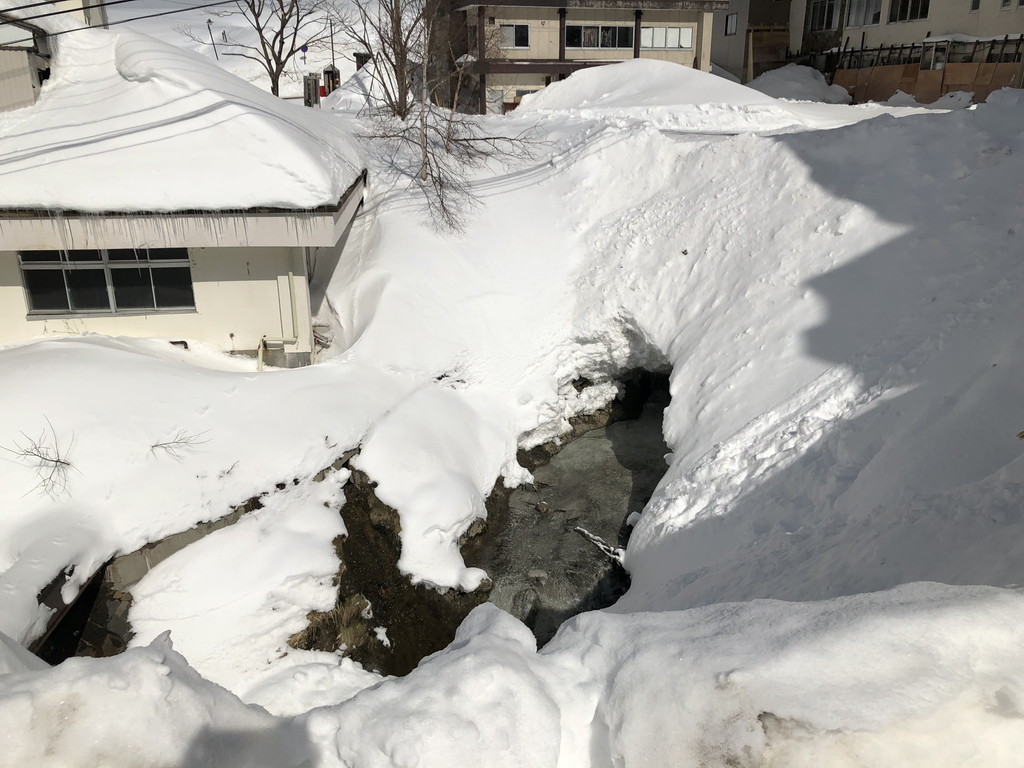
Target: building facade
x,y
838,24
751,37
518,46
247,282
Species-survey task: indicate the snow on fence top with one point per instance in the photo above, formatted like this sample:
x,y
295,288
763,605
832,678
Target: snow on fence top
x,y
129,123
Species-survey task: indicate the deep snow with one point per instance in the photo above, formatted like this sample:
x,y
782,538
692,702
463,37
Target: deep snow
x,y
180,133
839,311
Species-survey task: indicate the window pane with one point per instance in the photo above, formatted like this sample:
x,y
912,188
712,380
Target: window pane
x,y
173,287
646,37
46,289
625,37
508,36
659,37
672,37
132,289
37,256
686,37
125,254
924,9
590,36
573,37
161,254
88,289
83,255
522,36
915,9
608,37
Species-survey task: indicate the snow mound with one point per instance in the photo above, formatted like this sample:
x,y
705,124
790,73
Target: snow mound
x,y
800,83
675,98
951,100
175,130
921,675
641,83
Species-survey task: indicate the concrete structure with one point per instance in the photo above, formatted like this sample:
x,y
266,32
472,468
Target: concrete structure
x,y
519,46
245,282
828,24
751,36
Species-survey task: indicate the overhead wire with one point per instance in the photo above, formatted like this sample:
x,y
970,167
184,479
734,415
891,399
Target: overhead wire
x,y
63,11
115,23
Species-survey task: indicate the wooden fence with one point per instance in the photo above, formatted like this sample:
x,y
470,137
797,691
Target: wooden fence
x,y
928,71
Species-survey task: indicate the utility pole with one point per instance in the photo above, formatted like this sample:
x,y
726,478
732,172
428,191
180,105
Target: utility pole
x,y
209,28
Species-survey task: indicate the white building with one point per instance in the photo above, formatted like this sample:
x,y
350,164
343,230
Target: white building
x,y
153,194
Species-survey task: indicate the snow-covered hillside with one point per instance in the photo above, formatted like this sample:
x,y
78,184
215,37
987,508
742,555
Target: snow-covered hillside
x,y
835,290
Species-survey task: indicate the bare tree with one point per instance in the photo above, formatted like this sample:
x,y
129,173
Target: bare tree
x,y
48,457
418,79
283,28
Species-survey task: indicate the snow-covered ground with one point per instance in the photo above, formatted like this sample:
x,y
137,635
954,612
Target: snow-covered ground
x,y
835,290
180,23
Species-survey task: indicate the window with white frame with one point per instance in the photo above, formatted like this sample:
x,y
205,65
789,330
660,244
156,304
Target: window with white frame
x,y
579,36
106,281
515,35
907,10
864,13
730,24
666,37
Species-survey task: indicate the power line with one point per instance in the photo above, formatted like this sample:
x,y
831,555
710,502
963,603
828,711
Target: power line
x,y
126,21
59,12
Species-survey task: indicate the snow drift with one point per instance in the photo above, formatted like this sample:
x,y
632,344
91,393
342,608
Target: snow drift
x,y
175,130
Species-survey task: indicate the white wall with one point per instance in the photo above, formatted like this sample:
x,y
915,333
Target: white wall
x,y
945,17
18,82
727,51
240,291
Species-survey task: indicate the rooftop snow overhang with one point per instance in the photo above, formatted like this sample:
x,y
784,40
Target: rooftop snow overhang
x,y
624,5
46,229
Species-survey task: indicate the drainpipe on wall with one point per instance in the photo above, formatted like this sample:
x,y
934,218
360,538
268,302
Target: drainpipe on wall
x,y
295,324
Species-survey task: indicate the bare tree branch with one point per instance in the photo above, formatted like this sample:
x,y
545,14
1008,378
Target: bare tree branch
x,y
179,444
282,28
51,460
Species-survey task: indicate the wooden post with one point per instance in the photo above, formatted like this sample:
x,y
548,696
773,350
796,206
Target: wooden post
x,y
481,56
561,34
1002,49
974,51
637,15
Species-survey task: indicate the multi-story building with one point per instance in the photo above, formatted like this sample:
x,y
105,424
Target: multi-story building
x,y
519,46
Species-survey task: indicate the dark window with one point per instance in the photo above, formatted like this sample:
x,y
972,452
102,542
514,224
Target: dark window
x,y
577,36
515,35
908,10
975,5
1005,4
864,13
107,281
823,14
730,24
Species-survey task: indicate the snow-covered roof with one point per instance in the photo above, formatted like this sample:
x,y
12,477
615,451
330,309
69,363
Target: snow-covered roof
x,y
129,123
